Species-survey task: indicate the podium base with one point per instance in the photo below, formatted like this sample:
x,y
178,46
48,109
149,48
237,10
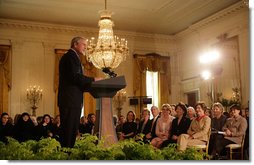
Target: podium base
x,y
107,131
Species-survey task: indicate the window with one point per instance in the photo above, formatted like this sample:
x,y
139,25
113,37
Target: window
x,y
152,88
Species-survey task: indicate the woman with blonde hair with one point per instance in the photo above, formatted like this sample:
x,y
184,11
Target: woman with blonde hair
x,y
163,126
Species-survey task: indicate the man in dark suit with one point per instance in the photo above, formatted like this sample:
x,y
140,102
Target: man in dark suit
x,y
145,124
155,112
72,84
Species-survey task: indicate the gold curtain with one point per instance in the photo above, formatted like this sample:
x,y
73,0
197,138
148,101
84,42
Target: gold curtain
x,y
155,63
5,77
90,70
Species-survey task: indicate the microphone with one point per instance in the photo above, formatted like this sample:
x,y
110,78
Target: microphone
x,y
108,72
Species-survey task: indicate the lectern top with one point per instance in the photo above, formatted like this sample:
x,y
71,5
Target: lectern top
x,y
107,87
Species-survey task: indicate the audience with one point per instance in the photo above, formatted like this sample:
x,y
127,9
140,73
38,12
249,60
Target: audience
x,y
188,127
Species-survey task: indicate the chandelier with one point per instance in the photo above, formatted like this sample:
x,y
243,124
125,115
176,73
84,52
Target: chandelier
x,y
34,95
110,50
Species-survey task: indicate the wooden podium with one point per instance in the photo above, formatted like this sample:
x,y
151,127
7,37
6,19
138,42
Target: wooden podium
x,y
105,90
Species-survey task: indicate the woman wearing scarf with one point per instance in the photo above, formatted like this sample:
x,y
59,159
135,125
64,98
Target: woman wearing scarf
x,y
198,131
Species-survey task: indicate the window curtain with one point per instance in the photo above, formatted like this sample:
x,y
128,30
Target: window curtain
x,y
155,63
90,70
5,77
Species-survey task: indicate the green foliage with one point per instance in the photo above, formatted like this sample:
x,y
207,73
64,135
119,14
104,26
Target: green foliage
x,y
170,153
15,151
91,148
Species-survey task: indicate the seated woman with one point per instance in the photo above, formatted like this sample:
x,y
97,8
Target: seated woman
x,y
180,124
197,133
45,128
129,127
163,126
6,128
218,122
191,114
233,130
24,128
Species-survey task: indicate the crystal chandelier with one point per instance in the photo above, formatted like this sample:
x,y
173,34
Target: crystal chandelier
x,y
110,50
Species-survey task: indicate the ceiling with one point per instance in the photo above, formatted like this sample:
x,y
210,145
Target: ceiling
x,y
147,16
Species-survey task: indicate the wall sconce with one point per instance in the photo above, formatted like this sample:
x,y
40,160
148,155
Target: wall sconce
x,y
118,100
34,95
236,94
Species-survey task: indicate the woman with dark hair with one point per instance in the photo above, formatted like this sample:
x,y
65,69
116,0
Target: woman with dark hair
x,y
24,129
198,132
45,128
180,124
233,130
129,127
5,127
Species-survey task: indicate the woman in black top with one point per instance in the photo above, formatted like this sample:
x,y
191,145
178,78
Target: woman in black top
x,y
45,128
5,127
129,127
24,129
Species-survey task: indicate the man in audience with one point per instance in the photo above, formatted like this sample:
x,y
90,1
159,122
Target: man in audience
x,y
145,123
155,112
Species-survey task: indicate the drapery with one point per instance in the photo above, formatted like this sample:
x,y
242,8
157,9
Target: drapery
x,y
90,70
5,77
155,63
